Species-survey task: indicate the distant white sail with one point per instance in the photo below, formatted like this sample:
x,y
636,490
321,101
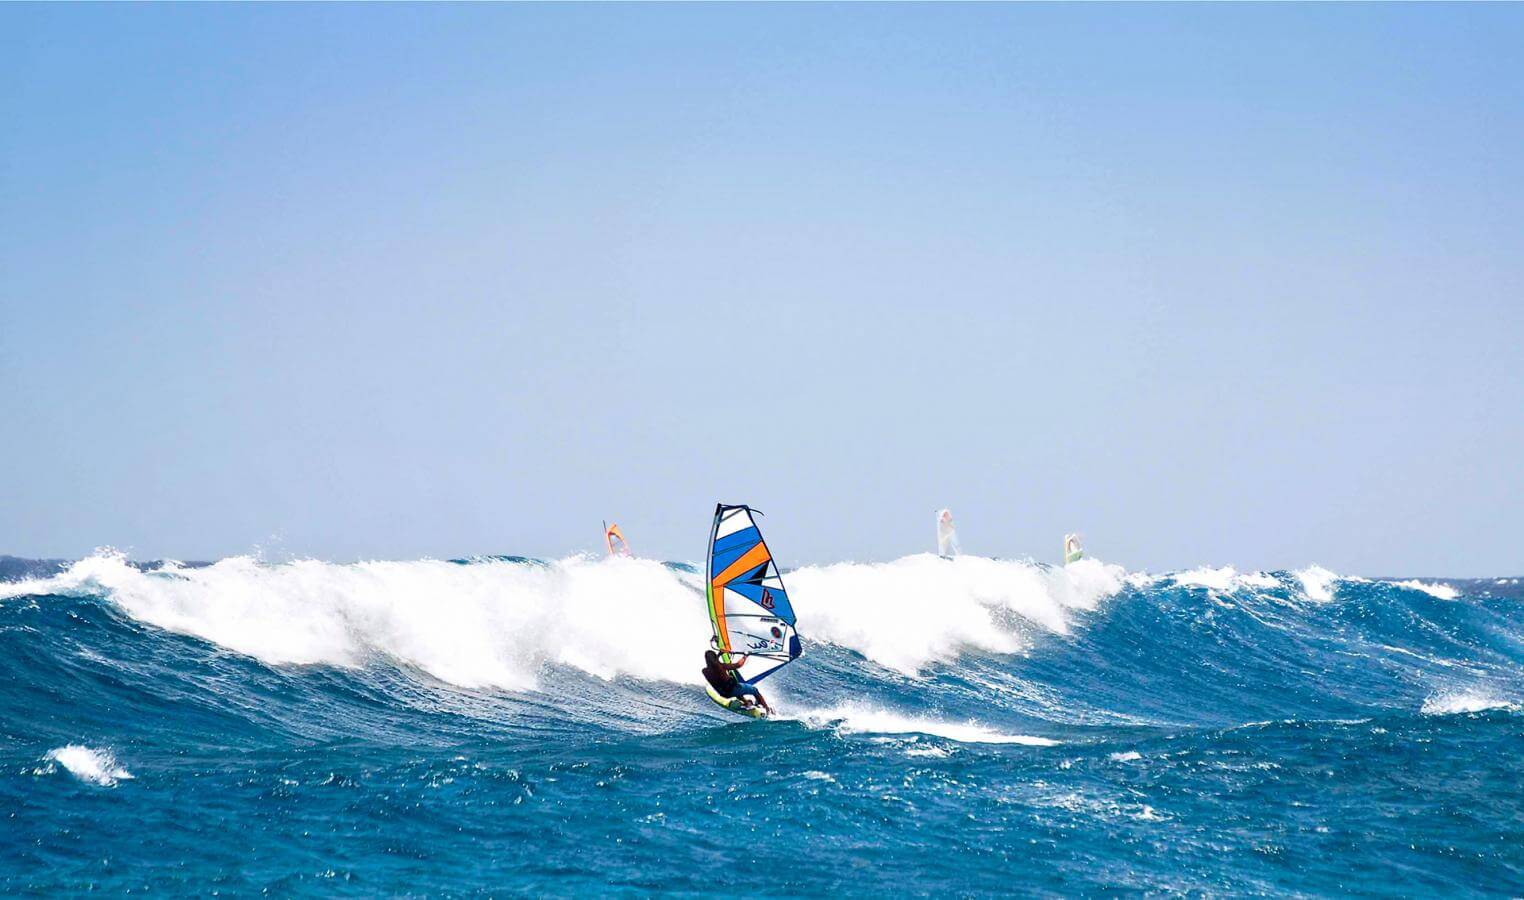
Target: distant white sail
x,y
1072,549
947,536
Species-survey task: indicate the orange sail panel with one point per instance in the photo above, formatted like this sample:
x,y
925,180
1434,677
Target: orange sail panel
x,y
618,546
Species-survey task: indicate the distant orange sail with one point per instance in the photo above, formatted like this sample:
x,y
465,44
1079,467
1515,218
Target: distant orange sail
x,y
618,546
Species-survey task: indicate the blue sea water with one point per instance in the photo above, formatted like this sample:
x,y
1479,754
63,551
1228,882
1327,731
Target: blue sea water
x,y
956,727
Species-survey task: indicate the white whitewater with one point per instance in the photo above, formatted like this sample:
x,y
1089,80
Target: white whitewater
x,y
89,765
498,623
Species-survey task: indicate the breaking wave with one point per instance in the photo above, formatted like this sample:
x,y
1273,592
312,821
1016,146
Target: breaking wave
x,y
498,622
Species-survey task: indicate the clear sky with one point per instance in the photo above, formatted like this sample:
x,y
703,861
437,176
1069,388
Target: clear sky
x,y
1212,284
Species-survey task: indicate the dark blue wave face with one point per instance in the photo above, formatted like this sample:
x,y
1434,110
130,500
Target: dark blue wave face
x,y
1238,738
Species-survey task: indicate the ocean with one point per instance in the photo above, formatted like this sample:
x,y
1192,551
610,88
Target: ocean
x,y
962,727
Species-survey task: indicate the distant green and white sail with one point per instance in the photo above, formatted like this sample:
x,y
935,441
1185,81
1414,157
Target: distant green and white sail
x,y
947,535
1072,549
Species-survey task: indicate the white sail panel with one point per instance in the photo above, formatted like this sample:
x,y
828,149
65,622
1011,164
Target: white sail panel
x,y
947,535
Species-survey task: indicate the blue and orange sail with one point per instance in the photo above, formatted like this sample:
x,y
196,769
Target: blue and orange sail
x,y
748,605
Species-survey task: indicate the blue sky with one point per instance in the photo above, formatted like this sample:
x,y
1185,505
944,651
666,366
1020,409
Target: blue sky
x,y
1212,284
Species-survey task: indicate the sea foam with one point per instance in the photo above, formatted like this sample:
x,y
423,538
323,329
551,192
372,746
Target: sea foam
x,y
89,765
1437,591
859,719
1460,702
499,622
912,611
487,623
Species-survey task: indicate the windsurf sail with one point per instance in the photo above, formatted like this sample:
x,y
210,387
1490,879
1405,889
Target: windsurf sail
x,y
947,536
618,546
1072,549
748,605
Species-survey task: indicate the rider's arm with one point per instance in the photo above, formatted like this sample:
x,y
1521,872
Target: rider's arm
x,y
735,666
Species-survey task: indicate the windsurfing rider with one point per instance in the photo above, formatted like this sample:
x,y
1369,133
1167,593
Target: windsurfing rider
x,y
723,677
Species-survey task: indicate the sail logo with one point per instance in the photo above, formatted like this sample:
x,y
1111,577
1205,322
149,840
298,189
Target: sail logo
x,y
767,599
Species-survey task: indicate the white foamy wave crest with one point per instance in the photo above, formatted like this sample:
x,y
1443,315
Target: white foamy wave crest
x,y
487,623
1317,583
1438,591
909,612
1225,578
498,622
86,764
1465,701
856,719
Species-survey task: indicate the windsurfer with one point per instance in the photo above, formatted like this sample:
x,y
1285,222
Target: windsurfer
x,y
722,676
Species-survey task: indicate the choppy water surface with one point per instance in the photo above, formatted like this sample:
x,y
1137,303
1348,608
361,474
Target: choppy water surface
x,y
955,727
